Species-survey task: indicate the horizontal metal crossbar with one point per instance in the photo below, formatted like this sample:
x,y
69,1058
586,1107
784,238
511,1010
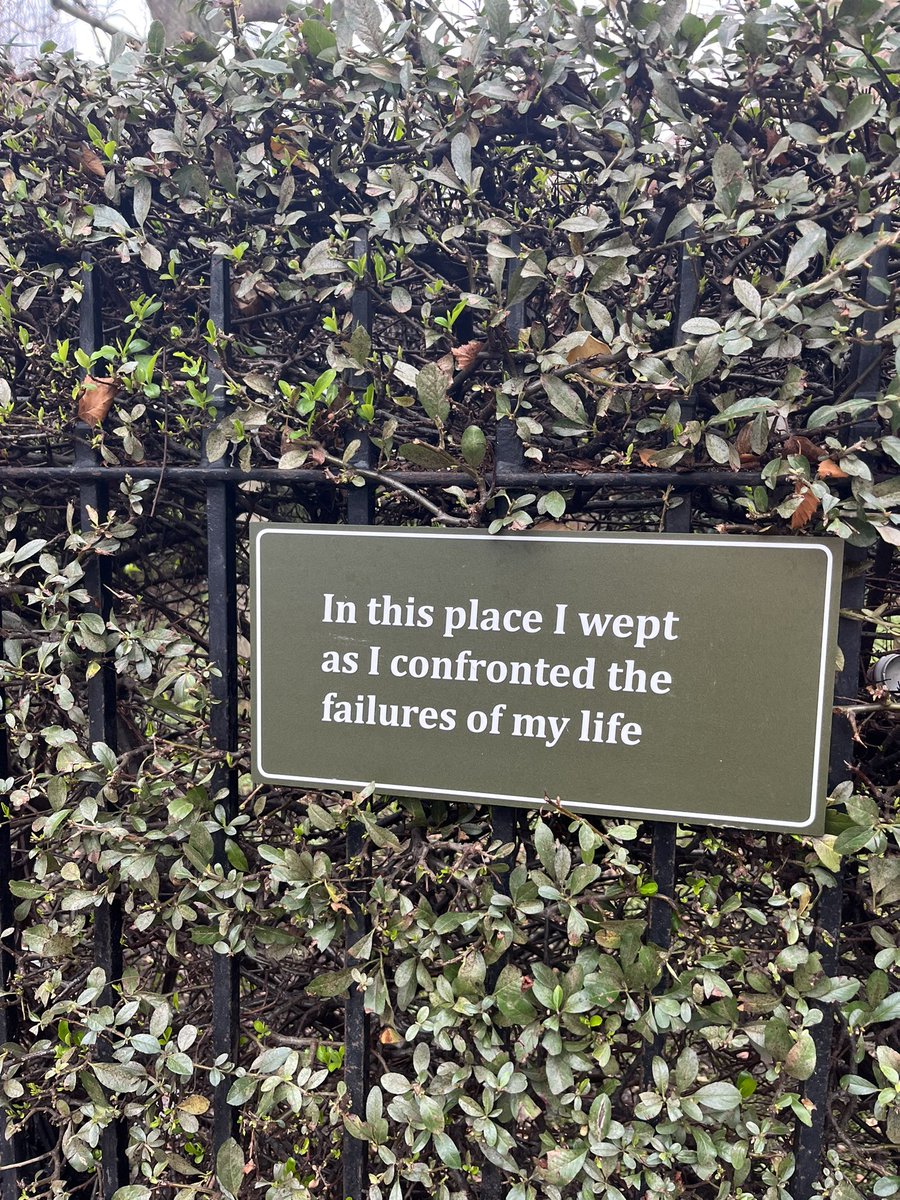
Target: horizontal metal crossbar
x,y
306,477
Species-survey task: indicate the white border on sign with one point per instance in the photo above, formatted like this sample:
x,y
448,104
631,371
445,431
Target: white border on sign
x,y
695,543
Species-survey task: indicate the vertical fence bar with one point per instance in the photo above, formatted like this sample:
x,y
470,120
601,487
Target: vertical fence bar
x,y
221,568
809,1140
360,511
664,848
101,694
504,820
864,369
508,454
11,1144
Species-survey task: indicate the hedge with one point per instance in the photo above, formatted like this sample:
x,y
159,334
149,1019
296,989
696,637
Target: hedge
x,y
551,162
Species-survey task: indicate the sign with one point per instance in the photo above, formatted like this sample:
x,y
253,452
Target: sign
x,y
663,677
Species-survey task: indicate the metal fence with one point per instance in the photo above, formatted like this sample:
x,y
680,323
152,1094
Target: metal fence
x,y
91,480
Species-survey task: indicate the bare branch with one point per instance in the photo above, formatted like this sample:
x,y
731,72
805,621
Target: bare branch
x,y
396,485
73,9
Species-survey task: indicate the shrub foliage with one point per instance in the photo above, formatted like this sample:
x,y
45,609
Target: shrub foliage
x,y
562,166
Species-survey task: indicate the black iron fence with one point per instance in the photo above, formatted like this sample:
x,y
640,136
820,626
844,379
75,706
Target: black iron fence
x,y
91,480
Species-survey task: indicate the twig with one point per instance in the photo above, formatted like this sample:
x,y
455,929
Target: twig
x,y
73,9
394,485
25,1162
860,260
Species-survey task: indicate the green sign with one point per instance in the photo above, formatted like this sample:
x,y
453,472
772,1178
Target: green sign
x,y
664,677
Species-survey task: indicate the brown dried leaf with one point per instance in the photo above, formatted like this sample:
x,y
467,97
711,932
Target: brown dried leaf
x,y
744,441
91,162
806,509
446,364
589,348
829,469
798,444
570,523
466,354
648,457
96,398
248,303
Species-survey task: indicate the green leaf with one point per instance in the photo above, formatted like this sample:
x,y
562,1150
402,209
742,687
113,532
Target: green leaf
x,y
431,386
332,983
887,1010
179,1064
728,177
359,347
884,879
156,44
25,890
498,18
716,447
117,1077
717,1097
755,35
852,839
230,1167
778,1040
495,89
749,406
545,844
110,218
241,1090
512,998
236,856
564,1165
447,1151
812,242
29,550
70,758
552,503
364,17
473,446
223,165
746,1084
461,157
268,66
857,1086
269,1061
146,1043
432,1114
801,1058
401,300
860,110
701,326
423,455
133,1191
142,198
396,1084
565,400
748,295
806,135
200,845
559,1074
318,37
